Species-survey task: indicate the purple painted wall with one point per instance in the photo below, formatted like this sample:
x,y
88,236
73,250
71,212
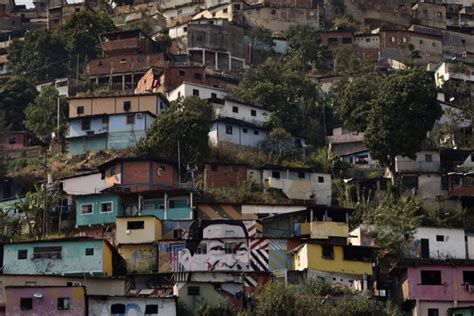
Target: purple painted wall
x,y
48,304
452,286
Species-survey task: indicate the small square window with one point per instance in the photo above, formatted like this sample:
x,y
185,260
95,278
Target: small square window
x,y
392,39
328,252
80,110
276,174
89,251
429,158
106,207
26,303
195,92
235,109
439,238
117,309
255,132
105,120
63,303
421,42
301,175
127,105
228,129
130,119
182,73
244,130
12,140
22,254
321,179
197,76
151,309
214,167
213,96
253,112
433,312
86,209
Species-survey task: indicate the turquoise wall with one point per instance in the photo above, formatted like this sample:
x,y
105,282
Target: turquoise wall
x,y
155,207
81,145
96,217
73,261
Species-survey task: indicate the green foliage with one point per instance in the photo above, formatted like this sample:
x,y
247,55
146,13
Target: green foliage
x,y
344,23
294,100
348,64
40,56
387,109
395,221
279,146
219,309
164,41
304,44
80,33
14,98
187,123
245,193
41,115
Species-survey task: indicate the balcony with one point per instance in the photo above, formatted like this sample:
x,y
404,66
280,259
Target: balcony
x,y
417,166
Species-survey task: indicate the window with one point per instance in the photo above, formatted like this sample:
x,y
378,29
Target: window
x,y
117,309
230,248
404,39
214,167
194,291
47,252
301,175
85,124
89,251
228,129
179,12
63,303
439,238
421,42
429,158
332,40
410,182
171,204
468,277
80,110
106,207
253,112
127,105
255,132
26,303
130,119
100,63
136,225
73,283
151,309
182,73
22,254
433,312
86,209
430,277
439,14
276,174
235,109
202,249
433,44
346,40
237,6
328,252
197,76
392,39
444,183
244,130
213,96
321,179
105,120
12,140
195,92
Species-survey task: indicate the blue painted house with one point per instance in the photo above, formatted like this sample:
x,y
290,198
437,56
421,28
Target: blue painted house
x,y
67,256
107,131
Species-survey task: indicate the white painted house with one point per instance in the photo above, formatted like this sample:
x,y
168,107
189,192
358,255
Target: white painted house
x,y
188,89
300,184
237,132
83,184
438,243
239,110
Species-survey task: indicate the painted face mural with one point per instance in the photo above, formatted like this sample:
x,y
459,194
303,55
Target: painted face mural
x,y
224,246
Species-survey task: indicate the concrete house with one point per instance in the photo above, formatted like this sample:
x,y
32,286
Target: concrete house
x,y
46,300
110,122
132,305
439,243
73,256
349,265
189,89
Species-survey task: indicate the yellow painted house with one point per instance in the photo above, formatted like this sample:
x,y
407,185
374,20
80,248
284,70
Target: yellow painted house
x,y
334,258
138,229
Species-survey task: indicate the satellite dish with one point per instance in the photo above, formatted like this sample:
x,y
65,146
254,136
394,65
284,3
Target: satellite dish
x,y
38,295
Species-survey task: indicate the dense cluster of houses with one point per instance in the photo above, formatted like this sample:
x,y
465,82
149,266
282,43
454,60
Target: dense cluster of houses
x,y
143,241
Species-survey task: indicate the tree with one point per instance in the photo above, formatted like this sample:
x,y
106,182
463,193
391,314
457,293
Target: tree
x,y
304,44
280,146
185,126
81,33
40,56
395,113
41,115
282,88
14,98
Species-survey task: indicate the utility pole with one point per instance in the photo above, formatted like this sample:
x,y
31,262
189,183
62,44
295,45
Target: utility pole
x,y
45,190
179,165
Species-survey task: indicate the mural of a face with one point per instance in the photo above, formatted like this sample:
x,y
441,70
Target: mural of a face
x,y
224,247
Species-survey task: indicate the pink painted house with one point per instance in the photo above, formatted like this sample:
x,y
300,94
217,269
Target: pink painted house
x,y
45,300
431,287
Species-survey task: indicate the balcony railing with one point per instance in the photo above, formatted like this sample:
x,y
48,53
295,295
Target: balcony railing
x,y
417,166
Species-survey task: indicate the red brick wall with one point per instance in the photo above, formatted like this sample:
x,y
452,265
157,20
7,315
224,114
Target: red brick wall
x,y
20,141
124,63
174,76
224,176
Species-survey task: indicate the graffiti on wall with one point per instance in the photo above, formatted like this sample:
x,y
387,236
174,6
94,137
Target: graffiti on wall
x,y
223,245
